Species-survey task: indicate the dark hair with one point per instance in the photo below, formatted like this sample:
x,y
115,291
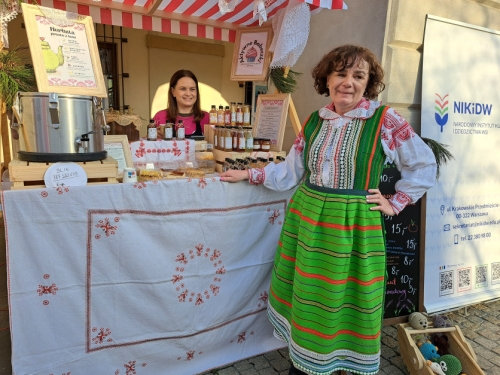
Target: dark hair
x,y
172,110
344,57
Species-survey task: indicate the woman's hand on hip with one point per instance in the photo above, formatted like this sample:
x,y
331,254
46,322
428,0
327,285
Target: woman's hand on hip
x,y
382,204
233,175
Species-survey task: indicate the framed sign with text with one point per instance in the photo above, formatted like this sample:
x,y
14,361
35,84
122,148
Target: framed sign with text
x,y
118,148
270,118
64,51
251,56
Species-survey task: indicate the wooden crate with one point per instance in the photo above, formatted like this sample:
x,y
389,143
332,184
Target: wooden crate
x,y
29,175
459,347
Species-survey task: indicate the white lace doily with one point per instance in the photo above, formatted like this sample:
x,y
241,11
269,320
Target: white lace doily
x,y
60,17
8,11
291,30
226,6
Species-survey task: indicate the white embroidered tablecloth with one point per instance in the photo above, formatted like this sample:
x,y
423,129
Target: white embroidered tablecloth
x,y
163,278
168,154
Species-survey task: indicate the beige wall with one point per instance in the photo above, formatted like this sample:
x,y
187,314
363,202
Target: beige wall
x,y
403,45
392,29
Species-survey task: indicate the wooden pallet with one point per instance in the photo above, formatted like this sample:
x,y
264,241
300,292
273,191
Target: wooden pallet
x,y
459,347
29,175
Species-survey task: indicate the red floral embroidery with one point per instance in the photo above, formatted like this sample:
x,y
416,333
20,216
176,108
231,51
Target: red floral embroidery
x,y
194,296
241,337
190,355
62,189
264,298
139,185
202,183
396,130
101,335
141,151
299,142
256,176
274,216
49,289
130,368
44,194
106,227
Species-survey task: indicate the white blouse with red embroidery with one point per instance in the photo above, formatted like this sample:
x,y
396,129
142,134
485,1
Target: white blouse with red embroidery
x,y
402,146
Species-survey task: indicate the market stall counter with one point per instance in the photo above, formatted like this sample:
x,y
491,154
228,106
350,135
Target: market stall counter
x,y
152,277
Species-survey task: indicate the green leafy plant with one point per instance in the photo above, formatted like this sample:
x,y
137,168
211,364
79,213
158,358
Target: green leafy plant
x,y
15,75
284,84
441,152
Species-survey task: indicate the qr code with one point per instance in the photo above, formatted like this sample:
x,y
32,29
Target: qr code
x,y
481,276
464,279
445,283
495,273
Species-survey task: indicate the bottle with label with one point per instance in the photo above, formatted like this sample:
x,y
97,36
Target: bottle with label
x,y
213,115
248,139
239,115
181,131
228,139
233,114
152,131
221,138
220,116
265,144
246,115
241,140
256,144
234,135
169,131
227,116
216,137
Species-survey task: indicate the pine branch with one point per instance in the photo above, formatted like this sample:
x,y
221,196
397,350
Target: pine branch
x,y
284,84
14,76
440,151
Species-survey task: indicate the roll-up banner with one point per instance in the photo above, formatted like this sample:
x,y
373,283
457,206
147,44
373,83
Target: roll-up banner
x,y
461,108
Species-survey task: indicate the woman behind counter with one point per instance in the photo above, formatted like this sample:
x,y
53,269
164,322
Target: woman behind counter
x,y
328,281
184,104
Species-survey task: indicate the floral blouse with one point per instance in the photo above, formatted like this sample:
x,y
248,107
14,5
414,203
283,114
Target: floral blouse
x,y
402,146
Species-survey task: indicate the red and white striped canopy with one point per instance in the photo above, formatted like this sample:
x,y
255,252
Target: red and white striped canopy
x,y
199,18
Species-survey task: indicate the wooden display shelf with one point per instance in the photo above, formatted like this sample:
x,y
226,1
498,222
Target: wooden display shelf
x,y
30,175
220,156
459,347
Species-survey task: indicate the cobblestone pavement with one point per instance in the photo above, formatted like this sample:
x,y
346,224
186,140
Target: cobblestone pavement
x,y
479,323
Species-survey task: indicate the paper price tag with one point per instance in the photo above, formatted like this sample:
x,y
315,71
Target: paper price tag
x,y
65,174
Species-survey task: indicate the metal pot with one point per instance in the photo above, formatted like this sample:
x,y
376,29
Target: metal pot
x,y
60,127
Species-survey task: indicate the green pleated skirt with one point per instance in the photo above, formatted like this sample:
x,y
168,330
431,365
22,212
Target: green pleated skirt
x,y
328,282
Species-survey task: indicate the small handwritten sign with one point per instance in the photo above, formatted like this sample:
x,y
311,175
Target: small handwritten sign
x,y
65,174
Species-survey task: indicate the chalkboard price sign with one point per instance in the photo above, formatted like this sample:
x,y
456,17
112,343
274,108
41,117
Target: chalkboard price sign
x,y
403,248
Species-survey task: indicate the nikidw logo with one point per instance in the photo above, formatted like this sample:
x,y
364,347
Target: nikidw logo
x,y
441,107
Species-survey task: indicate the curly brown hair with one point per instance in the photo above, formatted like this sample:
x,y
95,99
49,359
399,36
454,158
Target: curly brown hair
x,y
344,57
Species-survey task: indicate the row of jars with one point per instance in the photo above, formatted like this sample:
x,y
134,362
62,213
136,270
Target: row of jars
x,y
239,139
248,162
233,115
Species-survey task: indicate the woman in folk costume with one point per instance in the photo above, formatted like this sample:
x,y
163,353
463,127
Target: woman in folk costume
x,y
328,282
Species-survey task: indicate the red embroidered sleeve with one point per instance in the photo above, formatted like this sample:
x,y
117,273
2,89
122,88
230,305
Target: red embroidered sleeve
x,y
299,142
396,130
399,201
256,176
